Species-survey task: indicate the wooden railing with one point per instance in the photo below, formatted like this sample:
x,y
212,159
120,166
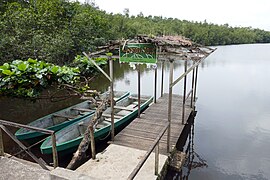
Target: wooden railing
x,y
3,125
148,153
191,94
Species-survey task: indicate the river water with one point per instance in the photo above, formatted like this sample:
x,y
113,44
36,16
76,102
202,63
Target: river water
x,y
231,131
232,126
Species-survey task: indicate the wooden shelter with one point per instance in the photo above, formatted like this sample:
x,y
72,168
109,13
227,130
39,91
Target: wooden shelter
x,y
169,49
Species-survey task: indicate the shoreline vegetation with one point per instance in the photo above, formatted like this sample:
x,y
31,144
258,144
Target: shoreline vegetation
x,y
41,40
57,30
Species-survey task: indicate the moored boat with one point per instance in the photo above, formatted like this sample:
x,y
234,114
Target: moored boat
x,y
63,118
69,138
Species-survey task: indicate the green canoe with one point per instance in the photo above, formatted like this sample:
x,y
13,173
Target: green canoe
x,y
62,118
69,138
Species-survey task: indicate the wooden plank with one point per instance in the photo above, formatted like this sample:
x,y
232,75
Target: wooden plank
x,y
2,152
108,120
135,98
141,132
124,108
109,116
147,127
64,116
83,109
147,122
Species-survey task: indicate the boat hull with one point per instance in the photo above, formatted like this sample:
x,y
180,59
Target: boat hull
x,y
72,144
47,122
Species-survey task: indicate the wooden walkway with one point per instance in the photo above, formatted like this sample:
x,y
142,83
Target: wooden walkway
x,y
121,157
141,132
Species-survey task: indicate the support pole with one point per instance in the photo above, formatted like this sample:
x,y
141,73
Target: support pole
x,y
192,87
54,151
162,78
184,94
112,97
2,152
155,93
156,159
196,80
139,89
170,107
92,140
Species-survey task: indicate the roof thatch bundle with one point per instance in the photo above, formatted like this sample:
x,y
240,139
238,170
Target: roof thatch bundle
x,y
169,47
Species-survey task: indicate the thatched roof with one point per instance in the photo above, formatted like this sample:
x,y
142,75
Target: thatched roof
x,y
176,47
169,47
175,41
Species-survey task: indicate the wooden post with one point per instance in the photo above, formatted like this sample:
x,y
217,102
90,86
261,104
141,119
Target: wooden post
x,y
139,90
2,152
92,140
112,97
196,80
184,93
156,159
170,107
155,93
192,88
162,78
54,151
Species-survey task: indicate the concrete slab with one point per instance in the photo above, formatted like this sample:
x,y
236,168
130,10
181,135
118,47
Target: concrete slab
x,y
117,162
66,174
14,168
11,169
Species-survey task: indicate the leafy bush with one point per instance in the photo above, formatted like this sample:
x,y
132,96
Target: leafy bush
x,y
87,67
27,78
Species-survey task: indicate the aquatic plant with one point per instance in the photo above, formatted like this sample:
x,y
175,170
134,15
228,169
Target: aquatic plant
x,y
27,78
87,67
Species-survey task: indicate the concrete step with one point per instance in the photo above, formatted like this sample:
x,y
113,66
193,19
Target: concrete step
x,y
13,169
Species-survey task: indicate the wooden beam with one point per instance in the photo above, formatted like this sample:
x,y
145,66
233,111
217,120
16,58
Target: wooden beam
x,y
109,116
83,109
2,152
108,119
130,97
124,108
64,116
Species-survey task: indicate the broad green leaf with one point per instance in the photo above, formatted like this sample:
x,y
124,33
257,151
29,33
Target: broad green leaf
x,y
7,72
22,66
33,61
54,69
5,66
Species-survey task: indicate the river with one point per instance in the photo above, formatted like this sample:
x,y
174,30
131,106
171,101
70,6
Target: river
x,y
232,125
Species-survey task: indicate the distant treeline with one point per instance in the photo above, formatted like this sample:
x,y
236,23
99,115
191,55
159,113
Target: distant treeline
x,y
57,30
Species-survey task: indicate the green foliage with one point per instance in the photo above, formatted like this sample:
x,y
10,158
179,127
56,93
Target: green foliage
x,y
86,66
52,30
57,30
27,78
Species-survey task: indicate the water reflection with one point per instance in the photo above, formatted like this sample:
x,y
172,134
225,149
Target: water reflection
x,y
233,113
193,159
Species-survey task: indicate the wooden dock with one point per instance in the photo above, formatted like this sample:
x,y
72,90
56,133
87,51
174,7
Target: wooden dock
x,y
141,132
129,146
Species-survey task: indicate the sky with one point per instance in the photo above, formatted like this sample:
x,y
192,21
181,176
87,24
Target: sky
x,y
237,13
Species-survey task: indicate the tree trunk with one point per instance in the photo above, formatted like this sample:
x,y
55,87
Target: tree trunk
x,y
80,154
